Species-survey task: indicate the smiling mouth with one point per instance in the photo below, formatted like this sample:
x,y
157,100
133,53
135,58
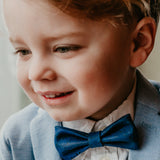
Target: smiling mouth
x,y
57,95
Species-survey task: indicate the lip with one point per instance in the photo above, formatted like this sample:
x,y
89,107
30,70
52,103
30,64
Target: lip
x,y
59,99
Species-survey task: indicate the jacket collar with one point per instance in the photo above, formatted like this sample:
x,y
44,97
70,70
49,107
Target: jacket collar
x,y
147,106
146,93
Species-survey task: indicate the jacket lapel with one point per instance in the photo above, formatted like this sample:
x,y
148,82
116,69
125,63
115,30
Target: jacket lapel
x,y
147,120
42,137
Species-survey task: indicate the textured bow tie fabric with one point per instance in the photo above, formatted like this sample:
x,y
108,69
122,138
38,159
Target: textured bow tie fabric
x,y
70,143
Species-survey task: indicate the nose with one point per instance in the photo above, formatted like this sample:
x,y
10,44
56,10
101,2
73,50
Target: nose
x,y
41,69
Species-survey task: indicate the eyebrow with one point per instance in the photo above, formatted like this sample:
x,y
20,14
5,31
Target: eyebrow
x,y
51,38
13,40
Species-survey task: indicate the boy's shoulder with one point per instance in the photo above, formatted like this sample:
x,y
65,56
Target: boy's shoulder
x,y
19,123
24,133
15,138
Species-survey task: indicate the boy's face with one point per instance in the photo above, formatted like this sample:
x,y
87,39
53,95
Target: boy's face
x,y
71,68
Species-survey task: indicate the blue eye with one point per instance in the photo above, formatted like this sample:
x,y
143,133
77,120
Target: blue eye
x,y
64,49
22,52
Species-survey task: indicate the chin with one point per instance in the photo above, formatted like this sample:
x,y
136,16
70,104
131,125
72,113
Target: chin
x,y
61,118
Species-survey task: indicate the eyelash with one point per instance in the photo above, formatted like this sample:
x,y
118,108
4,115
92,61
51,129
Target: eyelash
x,y
64,49
23,52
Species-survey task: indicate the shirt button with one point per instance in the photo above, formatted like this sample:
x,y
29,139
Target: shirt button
x,y
105,158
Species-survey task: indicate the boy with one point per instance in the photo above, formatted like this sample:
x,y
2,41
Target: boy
x,y
77,62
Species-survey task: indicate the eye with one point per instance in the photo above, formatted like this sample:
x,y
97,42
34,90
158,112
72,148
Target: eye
x,y
64,49
22,52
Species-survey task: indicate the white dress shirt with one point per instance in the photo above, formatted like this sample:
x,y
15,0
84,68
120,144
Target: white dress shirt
x,y
87,125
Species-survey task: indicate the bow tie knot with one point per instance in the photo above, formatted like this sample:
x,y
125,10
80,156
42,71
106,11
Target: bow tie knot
x,y
94,139
121,133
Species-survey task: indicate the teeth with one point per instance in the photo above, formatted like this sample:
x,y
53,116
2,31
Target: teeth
x,y
50,96
56,95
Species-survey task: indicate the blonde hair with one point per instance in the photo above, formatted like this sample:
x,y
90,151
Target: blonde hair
x,y
121,11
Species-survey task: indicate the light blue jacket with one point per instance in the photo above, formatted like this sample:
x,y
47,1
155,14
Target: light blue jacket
x,y
29,134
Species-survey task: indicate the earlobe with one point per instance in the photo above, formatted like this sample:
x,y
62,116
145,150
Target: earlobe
x,y
142,41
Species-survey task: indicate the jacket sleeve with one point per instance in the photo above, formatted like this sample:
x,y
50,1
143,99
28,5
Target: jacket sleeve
x,y
5,148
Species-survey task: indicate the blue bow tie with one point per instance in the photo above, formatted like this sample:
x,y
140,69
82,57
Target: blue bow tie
x,y
71,143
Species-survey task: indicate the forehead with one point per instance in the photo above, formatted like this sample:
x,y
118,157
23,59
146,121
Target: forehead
x,y
25,7
27,18
26,15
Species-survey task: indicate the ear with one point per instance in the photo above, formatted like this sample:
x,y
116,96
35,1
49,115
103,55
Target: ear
x,y
142,41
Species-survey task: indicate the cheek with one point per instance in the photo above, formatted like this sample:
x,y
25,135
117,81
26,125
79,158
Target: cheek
x,y
22,76
25,83
97,77
90,77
